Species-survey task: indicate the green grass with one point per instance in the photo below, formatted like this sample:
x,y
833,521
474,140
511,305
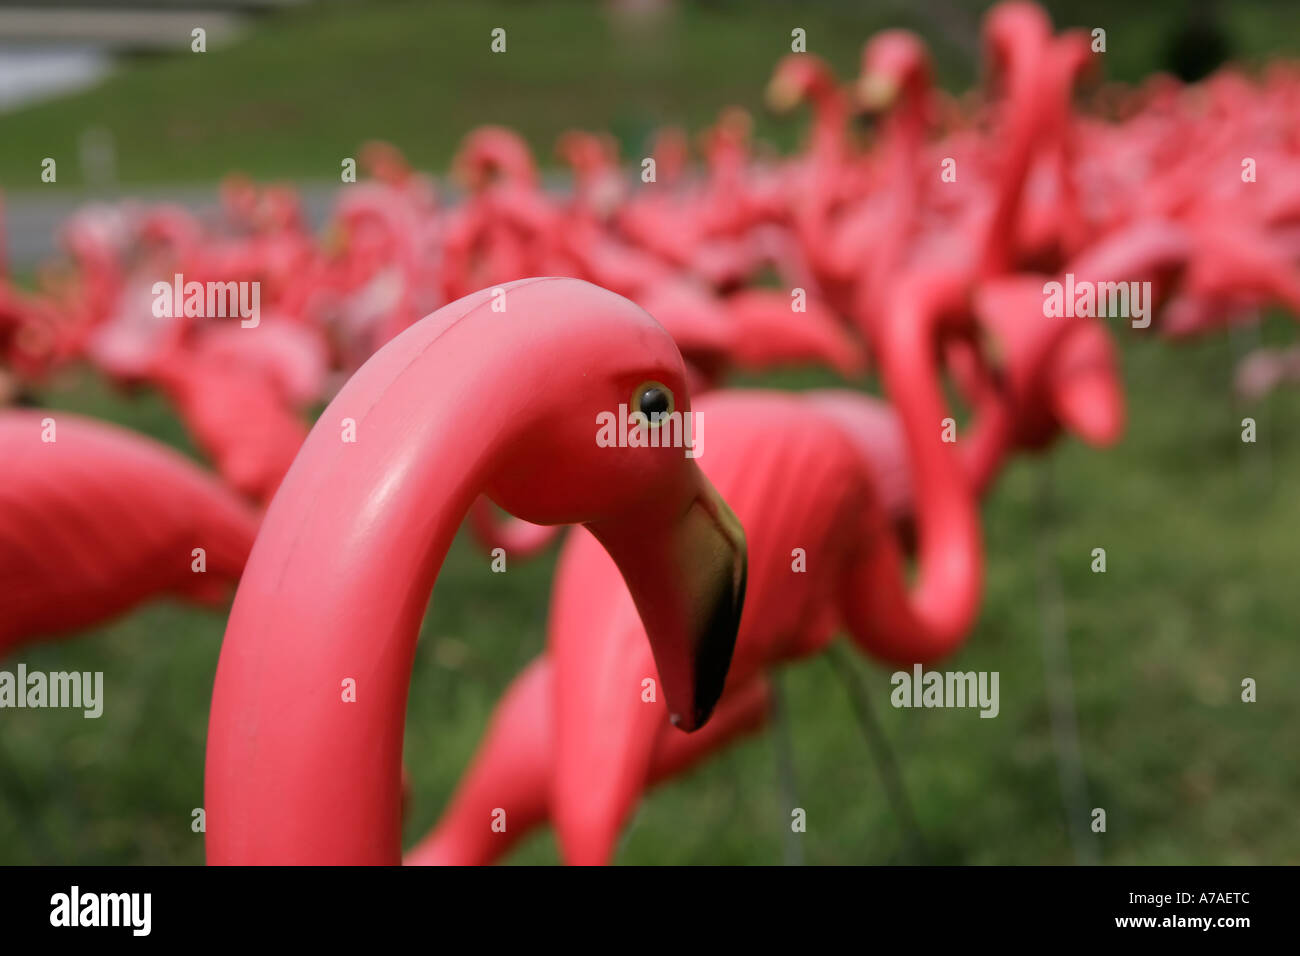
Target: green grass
x,y
1199,593
305,87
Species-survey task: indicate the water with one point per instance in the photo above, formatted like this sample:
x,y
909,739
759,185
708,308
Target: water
x,y
31,74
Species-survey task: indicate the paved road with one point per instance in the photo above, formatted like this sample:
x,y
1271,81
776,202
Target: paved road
x,y
32,217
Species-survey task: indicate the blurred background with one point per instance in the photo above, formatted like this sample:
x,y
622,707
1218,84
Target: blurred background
x,y
1199,528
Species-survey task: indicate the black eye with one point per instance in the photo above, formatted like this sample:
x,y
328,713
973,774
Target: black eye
x,y
653,400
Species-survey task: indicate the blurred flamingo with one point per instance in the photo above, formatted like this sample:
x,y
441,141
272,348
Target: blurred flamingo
x,y
97,519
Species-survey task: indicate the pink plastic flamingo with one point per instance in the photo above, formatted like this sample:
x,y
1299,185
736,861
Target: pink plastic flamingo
x,y
340,574
802,475
769,451
95,519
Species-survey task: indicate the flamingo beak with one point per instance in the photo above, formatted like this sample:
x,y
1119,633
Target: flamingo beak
x,y
766,337
876,92
1090,406
782,95
686,573
1086,395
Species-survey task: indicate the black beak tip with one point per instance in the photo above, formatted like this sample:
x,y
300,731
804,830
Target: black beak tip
x,y
688,724
714,657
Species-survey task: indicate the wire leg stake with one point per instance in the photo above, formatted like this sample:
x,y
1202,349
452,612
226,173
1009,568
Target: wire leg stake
x,y
786,782
1060,683
882,753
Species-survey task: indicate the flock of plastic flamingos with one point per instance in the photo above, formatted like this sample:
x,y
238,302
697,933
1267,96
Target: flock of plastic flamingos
x,y
919,255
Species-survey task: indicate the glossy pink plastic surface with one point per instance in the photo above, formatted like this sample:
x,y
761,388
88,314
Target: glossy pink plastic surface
x,y
341,572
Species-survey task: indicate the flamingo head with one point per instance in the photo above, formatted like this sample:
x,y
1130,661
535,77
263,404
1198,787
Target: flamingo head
x,y
238,197
570,459
895,65
586,152
671,149
728,138
1074,50
1057,373
797,77
1012,30
494,152
385,162
169,227
593,157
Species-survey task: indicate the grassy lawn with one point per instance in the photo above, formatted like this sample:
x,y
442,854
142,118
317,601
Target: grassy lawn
x,y
1199,534
304,88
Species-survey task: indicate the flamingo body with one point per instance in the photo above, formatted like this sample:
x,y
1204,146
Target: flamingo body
x,y
99,520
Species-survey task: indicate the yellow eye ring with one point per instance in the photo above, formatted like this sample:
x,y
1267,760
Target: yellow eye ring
x,y
654,401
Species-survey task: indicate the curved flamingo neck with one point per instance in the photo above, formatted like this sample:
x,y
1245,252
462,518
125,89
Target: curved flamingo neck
x,y
945,514
1072,60
829,114
905,132
1021,111
334,593
992,435
938,612
906,124
904,138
